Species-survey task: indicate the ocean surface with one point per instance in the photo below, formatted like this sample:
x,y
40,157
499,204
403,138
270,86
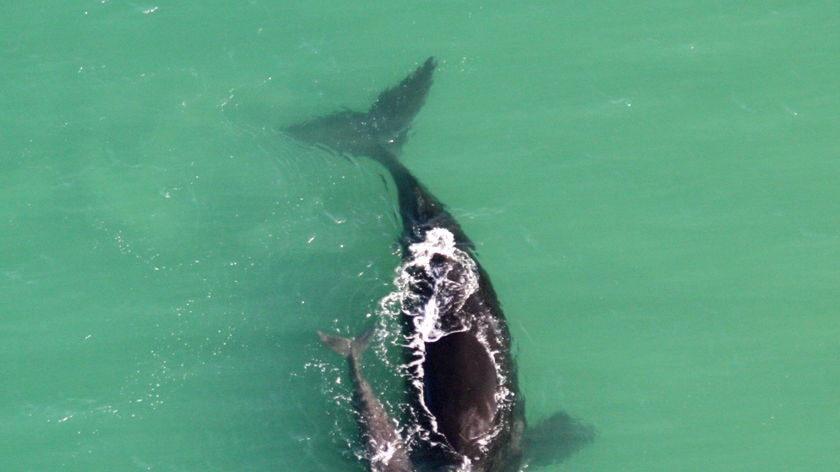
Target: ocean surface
x,y
654,188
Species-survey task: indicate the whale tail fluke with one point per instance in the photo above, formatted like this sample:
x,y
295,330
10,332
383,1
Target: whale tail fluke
x,y
346,347
395,108
382,129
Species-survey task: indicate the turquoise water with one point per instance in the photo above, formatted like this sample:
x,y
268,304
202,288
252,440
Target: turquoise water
x,y
653,188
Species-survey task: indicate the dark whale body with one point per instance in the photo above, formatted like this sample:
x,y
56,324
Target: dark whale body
x,y
468,413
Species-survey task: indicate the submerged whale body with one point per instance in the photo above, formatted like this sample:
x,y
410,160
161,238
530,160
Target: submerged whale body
x,y
467,411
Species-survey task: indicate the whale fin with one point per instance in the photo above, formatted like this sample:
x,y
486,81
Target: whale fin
x,y
383,128
380,134
392,113
386,451
555,438
347,347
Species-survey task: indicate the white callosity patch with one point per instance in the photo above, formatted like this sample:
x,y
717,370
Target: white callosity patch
x,y
384,455
434,284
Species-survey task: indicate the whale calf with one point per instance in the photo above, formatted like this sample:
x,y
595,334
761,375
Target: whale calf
x,y
383,444
467,413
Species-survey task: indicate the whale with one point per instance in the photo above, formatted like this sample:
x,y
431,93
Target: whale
x,y
466,412
384,447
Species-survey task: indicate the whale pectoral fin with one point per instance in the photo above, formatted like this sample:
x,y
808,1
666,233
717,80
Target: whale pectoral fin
x,y
556,438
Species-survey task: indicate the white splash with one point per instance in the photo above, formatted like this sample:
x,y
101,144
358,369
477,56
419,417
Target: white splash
x,y
434,284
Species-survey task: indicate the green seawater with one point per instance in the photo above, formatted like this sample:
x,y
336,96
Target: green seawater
x,y
653,186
